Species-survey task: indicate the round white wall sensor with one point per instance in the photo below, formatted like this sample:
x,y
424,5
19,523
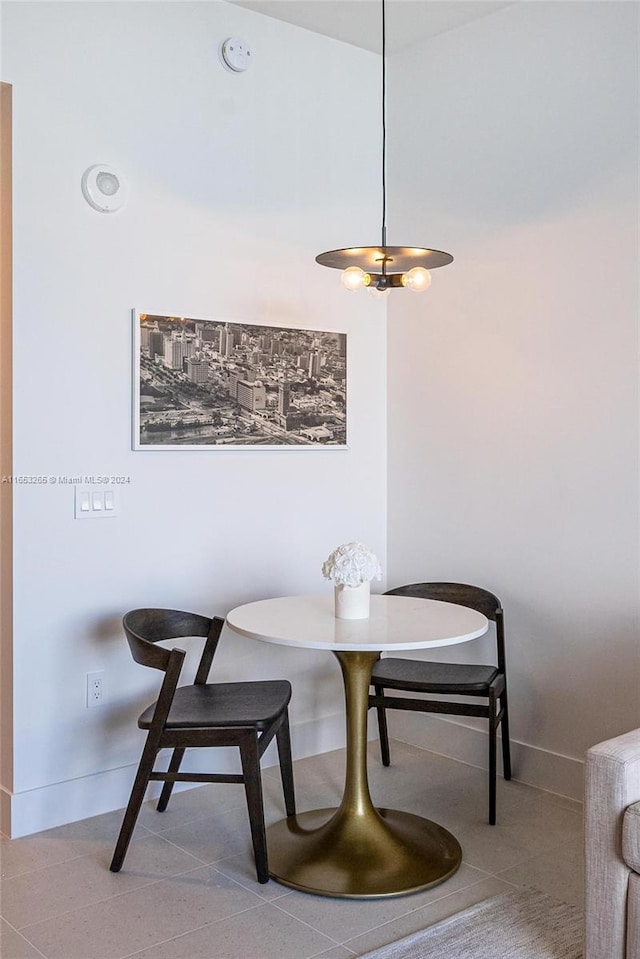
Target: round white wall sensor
x,y
104,188
235,54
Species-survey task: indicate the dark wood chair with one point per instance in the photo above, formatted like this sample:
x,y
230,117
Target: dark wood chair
x,y
449,679
247,715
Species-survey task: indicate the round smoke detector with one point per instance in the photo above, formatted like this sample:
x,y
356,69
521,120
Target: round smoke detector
x,y
104,188
235,54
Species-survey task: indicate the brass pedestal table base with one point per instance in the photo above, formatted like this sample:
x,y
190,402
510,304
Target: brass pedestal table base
x,y
357,850
383,853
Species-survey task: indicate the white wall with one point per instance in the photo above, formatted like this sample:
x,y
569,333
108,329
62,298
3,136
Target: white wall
x,y
513,384
236,183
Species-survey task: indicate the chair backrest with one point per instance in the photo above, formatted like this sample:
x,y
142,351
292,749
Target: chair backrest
x,y
474,597
145,627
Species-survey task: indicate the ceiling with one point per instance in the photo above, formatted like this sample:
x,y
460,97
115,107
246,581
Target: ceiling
x,y
359,21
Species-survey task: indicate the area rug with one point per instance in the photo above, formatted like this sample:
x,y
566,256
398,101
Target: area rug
x,y
515,925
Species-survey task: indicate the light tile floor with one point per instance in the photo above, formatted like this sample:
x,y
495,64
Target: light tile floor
x,y
188,890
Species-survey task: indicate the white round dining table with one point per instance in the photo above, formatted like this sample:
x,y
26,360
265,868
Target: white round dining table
x,y
358,850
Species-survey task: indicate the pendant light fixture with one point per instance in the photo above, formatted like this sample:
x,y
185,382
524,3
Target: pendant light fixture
x,y
383,268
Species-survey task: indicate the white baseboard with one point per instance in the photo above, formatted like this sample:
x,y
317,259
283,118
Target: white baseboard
x,y
24,813
530,764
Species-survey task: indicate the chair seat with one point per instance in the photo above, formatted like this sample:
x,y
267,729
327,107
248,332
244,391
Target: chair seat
x,y
210,705
428,677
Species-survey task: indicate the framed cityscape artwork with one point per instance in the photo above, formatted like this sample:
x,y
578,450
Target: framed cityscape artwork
x,y
212,384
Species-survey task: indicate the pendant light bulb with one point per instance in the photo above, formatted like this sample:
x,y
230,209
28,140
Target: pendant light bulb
x,y
418,279
379,294
353,278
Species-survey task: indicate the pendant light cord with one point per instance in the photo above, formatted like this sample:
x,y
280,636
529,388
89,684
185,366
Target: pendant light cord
x,y
383,267
384,130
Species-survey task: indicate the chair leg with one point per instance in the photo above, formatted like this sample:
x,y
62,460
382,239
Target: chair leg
x,y
506,745
492,758
283,739
250,759
140,784
383,732
174,766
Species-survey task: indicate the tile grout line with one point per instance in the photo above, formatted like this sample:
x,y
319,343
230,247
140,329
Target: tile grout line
x,y
118,895
336,942
189,822
319,955
249,884
181,849
18,933
61,862
188,932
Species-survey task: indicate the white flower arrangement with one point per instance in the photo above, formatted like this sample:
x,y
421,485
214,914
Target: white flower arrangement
x,y
351,565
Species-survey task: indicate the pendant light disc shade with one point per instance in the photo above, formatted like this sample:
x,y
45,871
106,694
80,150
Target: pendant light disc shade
x,y
382,268
399,259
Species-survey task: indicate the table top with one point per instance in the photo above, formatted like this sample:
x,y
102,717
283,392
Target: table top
x,y
394,623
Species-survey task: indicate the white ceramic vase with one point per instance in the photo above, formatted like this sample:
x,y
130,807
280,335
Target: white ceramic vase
x,y
352,602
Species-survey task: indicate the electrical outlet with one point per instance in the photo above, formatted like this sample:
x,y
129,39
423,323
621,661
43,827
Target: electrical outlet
x,y
95,689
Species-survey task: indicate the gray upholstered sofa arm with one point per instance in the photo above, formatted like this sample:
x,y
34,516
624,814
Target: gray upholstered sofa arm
x,y
612,783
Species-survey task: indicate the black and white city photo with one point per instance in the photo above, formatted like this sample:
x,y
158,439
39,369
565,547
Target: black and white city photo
x,y
203,383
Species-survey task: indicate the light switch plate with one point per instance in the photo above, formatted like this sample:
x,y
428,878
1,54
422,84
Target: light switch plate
x,y
95,503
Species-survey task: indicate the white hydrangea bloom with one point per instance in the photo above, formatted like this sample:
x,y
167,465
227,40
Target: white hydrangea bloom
x,y
351,565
